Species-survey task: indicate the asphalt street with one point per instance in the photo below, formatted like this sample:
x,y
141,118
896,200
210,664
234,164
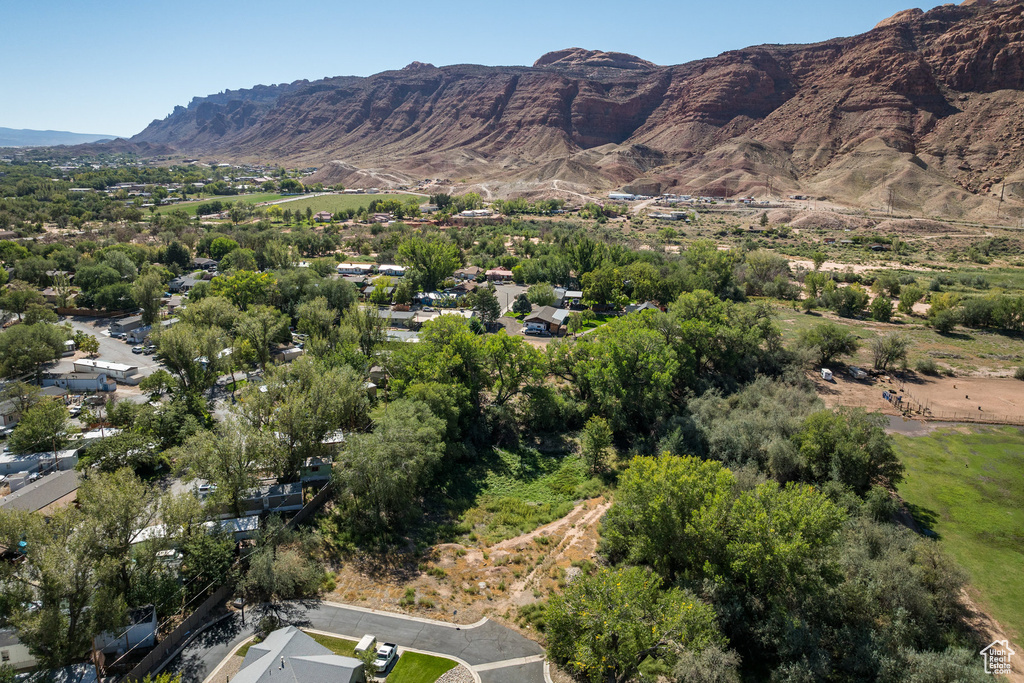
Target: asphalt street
x,y
493,651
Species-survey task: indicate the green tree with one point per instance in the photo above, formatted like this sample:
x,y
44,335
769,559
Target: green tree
x,y
368,327
433,259
18,296
115,297
486,304
260,326
829,341
595,440
238,259
221,247
603,627
44,427
87,343
193,355
383,471
243,288
230,457
850,447
541,294
818,258
317,318
177,254
283,566
513,363
881,309
39,313
211,311
26,348
522,305
889,349
147,292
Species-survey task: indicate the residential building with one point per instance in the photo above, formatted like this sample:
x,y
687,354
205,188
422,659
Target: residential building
x,y
288,655
323,217
9,414
546,319
499,275
60,488
207,264
126,325
468,273
78,382
355,268
392,270
14,653
183,283
118,371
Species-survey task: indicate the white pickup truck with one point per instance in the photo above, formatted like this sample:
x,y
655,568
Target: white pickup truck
x,y
387,653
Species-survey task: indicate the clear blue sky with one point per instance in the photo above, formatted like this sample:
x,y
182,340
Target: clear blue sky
x,y
93,66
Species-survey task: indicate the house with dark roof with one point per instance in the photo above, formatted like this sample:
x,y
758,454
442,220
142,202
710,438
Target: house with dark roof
x,y
288,655
207,264
546,319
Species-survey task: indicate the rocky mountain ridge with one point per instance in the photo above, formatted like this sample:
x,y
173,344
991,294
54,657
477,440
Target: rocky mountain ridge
x,y
926,110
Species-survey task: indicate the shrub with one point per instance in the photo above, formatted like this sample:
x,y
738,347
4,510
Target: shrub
x,y
1019,373
927,366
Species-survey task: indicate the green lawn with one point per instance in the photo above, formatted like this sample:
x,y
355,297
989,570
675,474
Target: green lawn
x,y
598,320
412,667
969,489
339,646
337,202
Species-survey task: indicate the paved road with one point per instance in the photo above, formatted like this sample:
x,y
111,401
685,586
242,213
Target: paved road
x,y
507,294
492,650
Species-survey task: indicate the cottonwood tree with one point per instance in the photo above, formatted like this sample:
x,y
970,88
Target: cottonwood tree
x,y
43,427
231,456
146,292
193,355
829,341
513,364
433,259
889,349
383,471
260,326
595,440
603,627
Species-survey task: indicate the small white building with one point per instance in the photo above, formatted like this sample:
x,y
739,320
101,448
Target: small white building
x,y
355,268
392,270
139,632
14,653
621,196
119,371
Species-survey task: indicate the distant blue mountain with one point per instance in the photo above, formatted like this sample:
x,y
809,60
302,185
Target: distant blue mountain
x,y
12,137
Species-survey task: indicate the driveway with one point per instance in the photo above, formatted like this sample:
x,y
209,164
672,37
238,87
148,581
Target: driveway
x,y
507,294
495,653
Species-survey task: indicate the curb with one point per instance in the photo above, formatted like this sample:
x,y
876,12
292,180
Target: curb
x,y
397,615
188,639
227,658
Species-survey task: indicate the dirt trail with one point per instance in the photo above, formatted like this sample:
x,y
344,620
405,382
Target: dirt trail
x,y
576,527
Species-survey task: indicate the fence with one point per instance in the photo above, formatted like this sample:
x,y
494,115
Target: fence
x,y
910,404
170,643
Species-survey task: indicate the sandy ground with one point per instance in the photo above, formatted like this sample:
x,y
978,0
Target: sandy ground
x,y
995,400
461,584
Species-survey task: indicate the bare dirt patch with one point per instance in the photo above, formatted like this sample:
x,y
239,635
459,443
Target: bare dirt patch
x,y
462,584
996,400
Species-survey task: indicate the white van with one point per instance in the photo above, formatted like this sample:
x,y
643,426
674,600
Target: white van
x,y
826,374
366,644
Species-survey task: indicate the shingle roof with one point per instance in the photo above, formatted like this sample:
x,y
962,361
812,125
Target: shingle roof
x,y
290,656
39,494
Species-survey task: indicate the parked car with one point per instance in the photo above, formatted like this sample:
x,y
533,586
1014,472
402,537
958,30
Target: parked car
x,y
149,350
137,349
386,655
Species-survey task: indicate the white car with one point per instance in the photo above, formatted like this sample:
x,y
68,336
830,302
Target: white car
x,y
386,655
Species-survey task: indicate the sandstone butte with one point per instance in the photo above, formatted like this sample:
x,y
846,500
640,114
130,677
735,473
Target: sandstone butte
x,y
927,104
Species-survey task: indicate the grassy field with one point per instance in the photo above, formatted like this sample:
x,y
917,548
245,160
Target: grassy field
x,y
515,492
969,489
963,350
190,207
337,202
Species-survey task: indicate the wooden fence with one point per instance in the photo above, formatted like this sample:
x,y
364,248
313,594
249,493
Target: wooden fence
x,y
169,645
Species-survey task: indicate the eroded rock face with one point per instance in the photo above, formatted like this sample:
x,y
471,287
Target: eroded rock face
x,y
931,100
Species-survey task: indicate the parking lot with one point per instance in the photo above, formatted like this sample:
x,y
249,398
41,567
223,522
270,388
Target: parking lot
x,y
111,350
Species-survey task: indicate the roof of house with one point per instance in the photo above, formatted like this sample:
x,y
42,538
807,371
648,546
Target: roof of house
x,y
39,494
73,673
547,314
290,656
